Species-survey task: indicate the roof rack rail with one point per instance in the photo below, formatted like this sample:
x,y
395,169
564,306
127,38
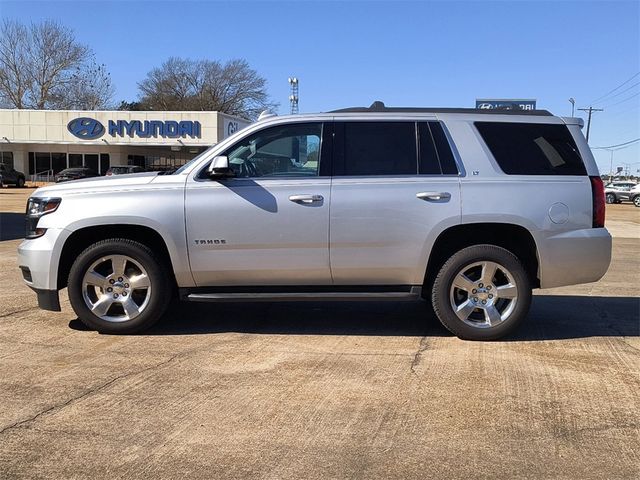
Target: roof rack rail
x,y
380,107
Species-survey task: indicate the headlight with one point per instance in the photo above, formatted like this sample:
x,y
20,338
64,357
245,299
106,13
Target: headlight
x,y
36,208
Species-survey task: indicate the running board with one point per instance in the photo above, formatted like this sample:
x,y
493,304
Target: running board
x,y
413,294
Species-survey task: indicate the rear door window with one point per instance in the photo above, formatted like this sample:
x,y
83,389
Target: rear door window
x,y
376,148
436,157
532,148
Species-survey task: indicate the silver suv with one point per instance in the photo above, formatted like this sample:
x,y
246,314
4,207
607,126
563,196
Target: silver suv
x,y
468,209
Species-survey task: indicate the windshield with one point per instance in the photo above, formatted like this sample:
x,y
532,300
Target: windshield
x,y
192,161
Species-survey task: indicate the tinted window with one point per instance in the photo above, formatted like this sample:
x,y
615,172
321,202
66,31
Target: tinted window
x,y
104,163
379,148
429,163
75,159
445,155
435,153
289,150
532,148
58,162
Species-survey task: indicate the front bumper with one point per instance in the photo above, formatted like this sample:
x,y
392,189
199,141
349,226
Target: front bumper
x,y
571,258
38,259
48,299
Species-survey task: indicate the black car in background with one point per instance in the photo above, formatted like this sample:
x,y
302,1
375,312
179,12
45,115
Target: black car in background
x,y
123,169
10,176
75,174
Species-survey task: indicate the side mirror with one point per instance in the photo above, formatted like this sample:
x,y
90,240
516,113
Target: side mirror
x,y
219,168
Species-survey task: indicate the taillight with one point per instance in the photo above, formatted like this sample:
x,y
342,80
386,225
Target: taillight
x,y
597,195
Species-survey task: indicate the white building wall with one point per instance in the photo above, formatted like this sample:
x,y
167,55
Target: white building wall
x,y
23,131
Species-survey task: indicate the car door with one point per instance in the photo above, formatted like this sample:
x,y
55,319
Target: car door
x,y
395,187
270,224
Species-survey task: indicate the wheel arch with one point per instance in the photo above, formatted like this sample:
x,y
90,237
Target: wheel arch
x,y
515,238
84,237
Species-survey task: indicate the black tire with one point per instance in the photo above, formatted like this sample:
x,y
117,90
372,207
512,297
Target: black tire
x,y
159,278
636,200
611,198
442,287
20,183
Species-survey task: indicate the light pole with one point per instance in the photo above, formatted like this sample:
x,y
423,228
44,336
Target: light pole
x,y
572,101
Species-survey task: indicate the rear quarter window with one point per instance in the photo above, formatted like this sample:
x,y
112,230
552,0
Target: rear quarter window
x,y
532,148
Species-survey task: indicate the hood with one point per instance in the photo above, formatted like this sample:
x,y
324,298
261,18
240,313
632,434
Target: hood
x,y
113,182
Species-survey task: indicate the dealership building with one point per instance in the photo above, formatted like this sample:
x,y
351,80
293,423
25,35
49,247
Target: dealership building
x,y
41,143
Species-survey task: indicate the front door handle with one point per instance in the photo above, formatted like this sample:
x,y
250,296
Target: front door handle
x,y
306,199
436,197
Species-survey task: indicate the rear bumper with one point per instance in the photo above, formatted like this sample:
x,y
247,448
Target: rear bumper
x,y
571,258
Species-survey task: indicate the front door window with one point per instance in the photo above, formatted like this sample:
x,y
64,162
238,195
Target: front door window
x,y
283,151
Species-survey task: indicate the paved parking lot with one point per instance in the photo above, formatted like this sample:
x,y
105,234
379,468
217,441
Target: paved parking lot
x,y
326,390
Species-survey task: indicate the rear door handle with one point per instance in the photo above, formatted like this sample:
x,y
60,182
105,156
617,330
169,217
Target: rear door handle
x,y
306,199
436,197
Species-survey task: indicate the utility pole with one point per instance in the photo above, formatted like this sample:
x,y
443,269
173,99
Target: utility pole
x,y
293,98
590,110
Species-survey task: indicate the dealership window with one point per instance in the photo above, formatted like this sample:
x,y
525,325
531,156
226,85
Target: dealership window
x,y
91,161
42,162
104,163
7,159
75,160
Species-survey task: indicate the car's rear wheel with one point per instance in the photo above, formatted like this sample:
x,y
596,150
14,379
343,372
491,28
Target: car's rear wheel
x,y
20,182
119,286
636,200
611,198
481,293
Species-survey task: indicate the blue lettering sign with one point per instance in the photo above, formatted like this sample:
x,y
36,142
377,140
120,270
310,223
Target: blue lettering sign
x,y
90,129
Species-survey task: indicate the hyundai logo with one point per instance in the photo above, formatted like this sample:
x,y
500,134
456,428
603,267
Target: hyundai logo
x,y
85,128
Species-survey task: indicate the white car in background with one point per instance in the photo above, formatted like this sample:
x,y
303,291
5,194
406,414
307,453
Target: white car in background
x,y
635,195
616,192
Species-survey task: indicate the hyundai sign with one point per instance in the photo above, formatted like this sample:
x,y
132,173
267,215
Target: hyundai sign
x,y
89,129
505,104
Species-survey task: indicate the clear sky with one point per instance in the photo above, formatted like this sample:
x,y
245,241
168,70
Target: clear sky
x,y
424,53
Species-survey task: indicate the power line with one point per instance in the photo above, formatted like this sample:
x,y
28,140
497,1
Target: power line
x,y
620,92
617,146
622,101
621,85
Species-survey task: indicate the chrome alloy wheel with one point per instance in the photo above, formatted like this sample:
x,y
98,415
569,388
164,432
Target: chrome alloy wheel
x,y
116,288
483,294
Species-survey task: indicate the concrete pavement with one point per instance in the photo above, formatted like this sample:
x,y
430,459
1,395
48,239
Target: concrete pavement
x,y
326,390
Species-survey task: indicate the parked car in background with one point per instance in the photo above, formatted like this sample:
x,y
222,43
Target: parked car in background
x,y
11,176
616,192
634,195
124,169
75,174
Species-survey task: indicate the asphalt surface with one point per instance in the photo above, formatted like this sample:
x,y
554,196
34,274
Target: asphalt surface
x,y
326,390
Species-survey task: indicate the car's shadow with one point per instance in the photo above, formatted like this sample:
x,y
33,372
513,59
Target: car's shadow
x,y
550,318
12,226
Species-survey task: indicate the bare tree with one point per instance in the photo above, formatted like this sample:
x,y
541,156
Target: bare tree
x,y
43,66
184,84
89,88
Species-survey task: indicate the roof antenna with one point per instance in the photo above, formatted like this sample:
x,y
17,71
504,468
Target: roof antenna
x,y
377,106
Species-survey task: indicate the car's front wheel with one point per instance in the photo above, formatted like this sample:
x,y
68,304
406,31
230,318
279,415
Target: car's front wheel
x,y
611,198
636,200
20,182
481,293
119,286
